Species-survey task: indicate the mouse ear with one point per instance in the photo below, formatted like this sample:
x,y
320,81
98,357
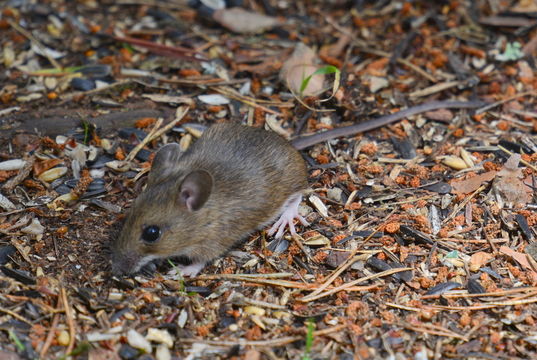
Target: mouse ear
x,y
195,189
164,159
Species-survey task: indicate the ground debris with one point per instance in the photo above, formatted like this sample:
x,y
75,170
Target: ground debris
x,y
421,235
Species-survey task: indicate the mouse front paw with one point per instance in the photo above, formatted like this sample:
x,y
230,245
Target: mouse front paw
x,y
290,212
189,270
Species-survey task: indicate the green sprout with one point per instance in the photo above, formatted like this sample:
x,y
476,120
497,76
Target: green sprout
x,y
309,339
329,69
13,336
86,126
82,348
182,286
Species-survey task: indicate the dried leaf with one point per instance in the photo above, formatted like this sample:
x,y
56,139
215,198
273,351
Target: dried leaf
x,y
472,184
509,184
479,259
376,83
517,256
244,22
335,50
445,115
41,166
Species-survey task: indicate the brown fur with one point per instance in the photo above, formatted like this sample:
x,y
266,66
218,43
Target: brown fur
x,y
254,172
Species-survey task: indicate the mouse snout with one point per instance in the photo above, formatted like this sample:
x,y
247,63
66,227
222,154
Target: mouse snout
x,y
125,263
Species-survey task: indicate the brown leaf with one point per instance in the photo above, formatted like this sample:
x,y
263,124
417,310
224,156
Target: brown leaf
x,y
244,22
479,259
509,183
472,184
42,166
266,68
517,256
299,66
335,50
444,115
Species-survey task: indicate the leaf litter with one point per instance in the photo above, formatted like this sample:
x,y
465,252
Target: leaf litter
x,y
422,232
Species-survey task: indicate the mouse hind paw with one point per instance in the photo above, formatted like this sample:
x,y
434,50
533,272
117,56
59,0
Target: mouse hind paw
x,y
290,212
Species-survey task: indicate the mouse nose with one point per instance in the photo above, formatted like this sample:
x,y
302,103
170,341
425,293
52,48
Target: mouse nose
x,y
124,263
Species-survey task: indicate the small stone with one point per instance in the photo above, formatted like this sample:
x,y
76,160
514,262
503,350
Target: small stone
x,y
136,340
65,198
61,139
15,164
214,99
185,142
106,144
334,194
35,228
183,317
53,174
63,338
50,82
254,310
455,162
163,353
319,205
119,165
159,336
97,173
336,258
376,83
115,296
318,240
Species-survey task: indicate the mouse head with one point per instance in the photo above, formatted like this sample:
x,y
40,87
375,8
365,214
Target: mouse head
x,y
161,221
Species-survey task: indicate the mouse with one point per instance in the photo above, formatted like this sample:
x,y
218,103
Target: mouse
x,y
234,180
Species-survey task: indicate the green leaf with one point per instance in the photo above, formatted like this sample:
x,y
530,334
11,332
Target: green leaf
x,y
326,70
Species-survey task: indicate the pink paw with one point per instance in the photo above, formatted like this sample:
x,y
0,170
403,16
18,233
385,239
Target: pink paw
x,y
192,269
290,212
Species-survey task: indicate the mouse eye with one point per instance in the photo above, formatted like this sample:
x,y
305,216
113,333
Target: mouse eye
x,y
151,233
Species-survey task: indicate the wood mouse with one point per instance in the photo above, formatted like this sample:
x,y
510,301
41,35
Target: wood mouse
x,y
232,181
